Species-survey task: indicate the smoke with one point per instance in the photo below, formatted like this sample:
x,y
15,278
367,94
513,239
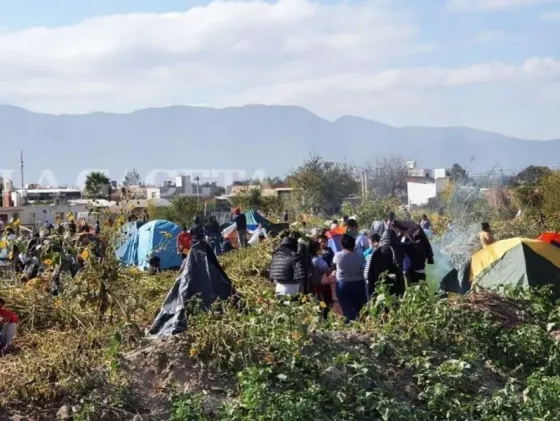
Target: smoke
x,y
466,208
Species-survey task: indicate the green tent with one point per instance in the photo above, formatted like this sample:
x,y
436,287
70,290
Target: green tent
x,y
512,262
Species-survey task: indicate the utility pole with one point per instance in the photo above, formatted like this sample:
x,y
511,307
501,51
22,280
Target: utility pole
x,y
21,159
197,179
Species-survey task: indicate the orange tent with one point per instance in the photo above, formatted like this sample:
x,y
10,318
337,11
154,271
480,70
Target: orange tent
x,y
550,237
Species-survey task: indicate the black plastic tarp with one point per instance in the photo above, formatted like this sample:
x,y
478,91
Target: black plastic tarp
x,y
201,278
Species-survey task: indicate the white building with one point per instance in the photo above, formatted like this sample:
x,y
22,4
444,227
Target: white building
x,y
182,186
424,185
38,215
48,195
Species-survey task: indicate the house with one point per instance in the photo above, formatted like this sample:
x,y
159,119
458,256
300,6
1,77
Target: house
x,y
48,194
425,184
182,186
137,206
280,190
37,215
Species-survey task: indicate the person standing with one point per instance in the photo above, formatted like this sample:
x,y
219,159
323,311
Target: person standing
x,y
486,236
417,251
286,216
97,228
184,243
350,285
373,245
425,223
387,257
214,235
241,227
362,242
322,278
282,268
326,252
197,230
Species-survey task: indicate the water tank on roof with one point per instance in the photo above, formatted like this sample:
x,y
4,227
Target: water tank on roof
x,y
16,199
8,185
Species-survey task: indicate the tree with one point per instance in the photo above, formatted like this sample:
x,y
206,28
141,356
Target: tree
x,y
551,198
387,177
97,186
533,175
528,192
367,211
274,181
321,184
182,210
458,173
132,178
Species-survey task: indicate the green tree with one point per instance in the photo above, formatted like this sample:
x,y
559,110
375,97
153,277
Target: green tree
x,y
250,199
551,199
182,210
533,175
274,181
97,186
368,210
458,173
528,193
320,184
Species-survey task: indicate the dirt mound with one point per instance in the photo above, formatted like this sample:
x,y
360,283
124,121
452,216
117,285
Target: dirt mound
x,y
163,369
507,311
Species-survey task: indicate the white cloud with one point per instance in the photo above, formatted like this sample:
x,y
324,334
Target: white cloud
x,y
491,5
334,59
128,61
552,16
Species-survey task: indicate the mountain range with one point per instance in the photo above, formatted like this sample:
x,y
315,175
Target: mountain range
x,y
275,139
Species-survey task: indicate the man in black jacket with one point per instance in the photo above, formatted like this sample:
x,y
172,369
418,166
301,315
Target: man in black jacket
x,y
417,250
287,269
388,257
197,230
241,226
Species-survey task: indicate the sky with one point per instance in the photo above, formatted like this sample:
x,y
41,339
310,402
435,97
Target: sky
x,y
487,64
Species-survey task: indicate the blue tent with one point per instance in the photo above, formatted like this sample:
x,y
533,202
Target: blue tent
x,y
127,243
156,238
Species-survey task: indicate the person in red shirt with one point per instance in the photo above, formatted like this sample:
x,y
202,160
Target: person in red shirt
x,y
184,243
9,321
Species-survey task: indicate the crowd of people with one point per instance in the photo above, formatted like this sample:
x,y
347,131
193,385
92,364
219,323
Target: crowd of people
x,y
344,281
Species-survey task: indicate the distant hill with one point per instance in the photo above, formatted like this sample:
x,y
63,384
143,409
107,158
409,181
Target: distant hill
x,y
272,138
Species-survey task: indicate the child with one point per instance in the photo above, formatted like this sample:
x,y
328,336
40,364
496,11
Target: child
x,y
373,244
9,321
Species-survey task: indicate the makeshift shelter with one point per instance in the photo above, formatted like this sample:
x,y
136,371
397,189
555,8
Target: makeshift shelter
x,y
155,238
334,236
551,238
253,220
127,243
512,262
201,277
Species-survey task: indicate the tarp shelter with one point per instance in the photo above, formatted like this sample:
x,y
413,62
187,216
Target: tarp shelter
x,y
253,220
551,238
334,236
201,277
155,238
127,243
512,262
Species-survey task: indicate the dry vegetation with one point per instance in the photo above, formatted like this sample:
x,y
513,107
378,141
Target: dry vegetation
x,y
483,357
